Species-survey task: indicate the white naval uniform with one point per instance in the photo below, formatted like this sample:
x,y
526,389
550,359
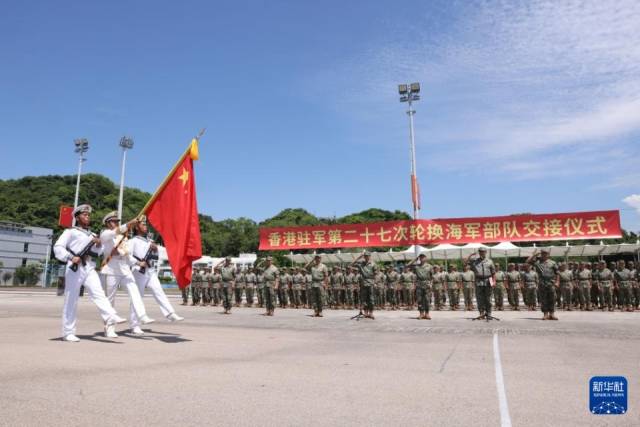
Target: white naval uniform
x,y
138,248
118,272
76,239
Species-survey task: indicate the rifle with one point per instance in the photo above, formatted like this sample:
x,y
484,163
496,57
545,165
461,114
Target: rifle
x,y
151,255
82,255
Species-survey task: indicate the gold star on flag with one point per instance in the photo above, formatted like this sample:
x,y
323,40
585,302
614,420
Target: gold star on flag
x,y
184,177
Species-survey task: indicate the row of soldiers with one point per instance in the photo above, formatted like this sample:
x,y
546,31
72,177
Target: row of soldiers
x,y
582,286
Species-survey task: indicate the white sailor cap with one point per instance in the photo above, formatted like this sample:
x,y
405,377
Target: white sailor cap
x,y
81,209
108,217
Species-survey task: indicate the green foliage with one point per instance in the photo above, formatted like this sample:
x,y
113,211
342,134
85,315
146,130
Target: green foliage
x,y
28,274
6,276
291,217
374,215
36,201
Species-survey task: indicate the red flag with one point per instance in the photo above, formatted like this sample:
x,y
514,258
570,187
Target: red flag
x,y
415,192
65,219
173,211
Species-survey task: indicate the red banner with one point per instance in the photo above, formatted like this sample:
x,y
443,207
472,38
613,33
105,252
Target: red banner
x,y
513,228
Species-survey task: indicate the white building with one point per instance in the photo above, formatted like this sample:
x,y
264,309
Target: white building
x,y
21,245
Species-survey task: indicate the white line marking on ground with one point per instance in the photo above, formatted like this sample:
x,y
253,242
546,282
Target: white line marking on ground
x,y
505,420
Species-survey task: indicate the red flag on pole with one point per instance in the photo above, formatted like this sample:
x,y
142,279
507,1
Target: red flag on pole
x,y
65,219
415,192
173,211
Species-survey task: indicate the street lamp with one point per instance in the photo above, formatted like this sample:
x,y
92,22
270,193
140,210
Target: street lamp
x,y
82,146
126,143
409,93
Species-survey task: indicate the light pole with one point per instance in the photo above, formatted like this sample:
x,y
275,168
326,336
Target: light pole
x,y
409,93
126,143
46,262
82,146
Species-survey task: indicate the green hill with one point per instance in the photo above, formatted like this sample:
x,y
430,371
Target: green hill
x,y
36,201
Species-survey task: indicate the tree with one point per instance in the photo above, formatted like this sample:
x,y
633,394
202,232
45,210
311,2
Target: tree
x,y
29,274
374,215
6,276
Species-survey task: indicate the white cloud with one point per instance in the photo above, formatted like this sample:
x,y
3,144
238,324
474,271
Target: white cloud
x,y
520,84
633,201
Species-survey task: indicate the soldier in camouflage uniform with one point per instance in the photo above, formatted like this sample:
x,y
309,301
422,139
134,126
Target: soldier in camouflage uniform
x,y
368,271
228,274
286,280
424,279
260,286
336,281
438,287
319,282
350,283
514,284
393,278
635,285
296,287
196,287
380,278
454,282
306,294
565,277
576,297
622,280
498,291
357,297
583,289
271,276
206,289
605,283
185,294
216,281
406,281
250,285
547,270
595,285
614,289
530,282
239,286
485,276
468,282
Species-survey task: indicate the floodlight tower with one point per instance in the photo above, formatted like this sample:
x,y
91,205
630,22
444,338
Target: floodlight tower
x,y
126,143
82,146
409,93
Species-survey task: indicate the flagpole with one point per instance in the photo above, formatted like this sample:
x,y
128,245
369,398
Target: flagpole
x,y
173,169
160,188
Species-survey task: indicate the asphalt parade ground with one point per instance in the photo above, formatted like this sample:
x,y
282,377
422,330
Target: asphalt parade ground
x,y
295,370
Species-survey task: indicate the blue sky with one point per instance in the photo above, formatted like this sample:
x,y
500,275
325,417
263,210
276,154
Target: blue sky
x,y
526,106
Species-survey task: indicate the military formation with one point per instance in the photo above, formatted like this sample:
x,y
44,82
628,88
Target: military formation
x,y
364,285
538,283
